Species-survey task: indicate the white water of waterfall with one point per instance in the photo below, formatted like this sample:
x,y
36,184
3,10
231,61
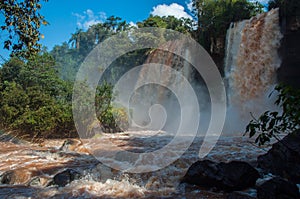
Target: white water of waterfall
x,y
250,68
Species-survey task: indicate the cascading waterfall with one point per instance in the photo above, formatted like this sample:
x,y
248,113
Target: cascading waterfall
x,y
251,63
155,94
250,66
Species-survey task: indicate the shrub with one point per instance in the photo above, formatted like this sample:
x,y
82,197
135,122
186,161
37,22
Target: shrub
x,y
35,102
113,118
271,124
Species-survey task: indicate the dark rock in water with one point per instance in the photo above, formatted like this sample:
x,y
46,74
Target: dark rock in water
x,y
203,173
239,195
238,175
232,176
35,182
65,177
283,158
8,178
277,188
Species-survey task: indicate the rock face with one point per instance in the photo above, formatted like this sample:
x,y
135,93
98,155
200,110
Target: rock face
x,y
277,188
232,176
289,71
283,158
65,177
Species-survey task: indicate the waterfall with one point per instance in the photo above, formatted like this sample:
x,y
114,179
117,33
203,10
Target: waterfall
x,y
250,65
151,95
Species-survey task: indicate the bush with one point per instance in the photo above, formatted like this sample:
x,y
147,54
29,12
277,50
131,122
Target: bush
x,y
271,124
113,118
35,102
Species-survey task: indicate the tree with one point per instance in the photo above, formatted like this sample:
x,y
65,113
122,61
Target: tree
x,y
75,39
35,102
22,23
272,124
68,58
215,16
183,25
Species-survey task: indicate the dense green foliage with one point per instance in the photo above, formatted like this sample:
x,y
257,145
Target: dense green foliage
x,y
34,100
183,25
113,118
22,23
272,124
71,54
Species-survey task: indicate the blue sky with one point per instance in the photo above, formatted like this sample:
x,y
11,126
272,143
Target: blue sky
x,y
65,16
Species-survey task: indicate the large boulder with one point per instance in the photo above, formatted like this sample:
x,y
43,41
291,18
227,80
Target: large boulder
x,y
277,188
283,158
232,176
65,177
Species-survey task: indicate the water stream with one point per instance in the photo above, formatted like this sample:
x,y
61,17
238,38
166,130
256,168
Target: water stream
x,y
32,167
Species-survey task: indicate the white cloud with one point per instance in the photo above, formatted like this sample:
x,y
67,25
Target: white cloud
x,y
264,2
88,18
133,24
174,9
190,5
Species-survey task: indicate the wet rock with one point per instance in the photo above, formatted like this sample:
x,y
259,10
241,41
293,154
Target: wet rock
x,y
238,175
277,188
239,195
203,173
283,158
102,173
8,178
232,176
63,178
35,182
70,145
18,176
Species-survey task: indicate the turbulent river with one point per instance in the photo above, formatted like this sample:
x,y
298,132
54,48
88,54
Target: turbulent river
x,y
27,169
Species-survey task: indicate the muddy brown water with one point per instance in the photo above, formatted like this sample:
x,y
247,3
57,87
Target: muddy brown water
x,y
29,168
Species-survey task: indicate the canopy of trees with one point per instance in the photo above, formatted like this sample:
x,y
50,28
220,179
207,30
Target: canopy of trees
x,y
22,23
215,16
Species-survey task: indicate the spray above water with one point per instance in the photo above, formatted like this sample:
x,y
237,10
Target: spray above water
x,y
105,53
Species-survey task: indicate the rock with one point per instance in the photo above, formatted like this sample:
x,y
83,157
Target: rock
x,y
102,173
70,145
203,173
238,175
18,176
7,177
239,195
283,158
232,176
63,178
278,188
